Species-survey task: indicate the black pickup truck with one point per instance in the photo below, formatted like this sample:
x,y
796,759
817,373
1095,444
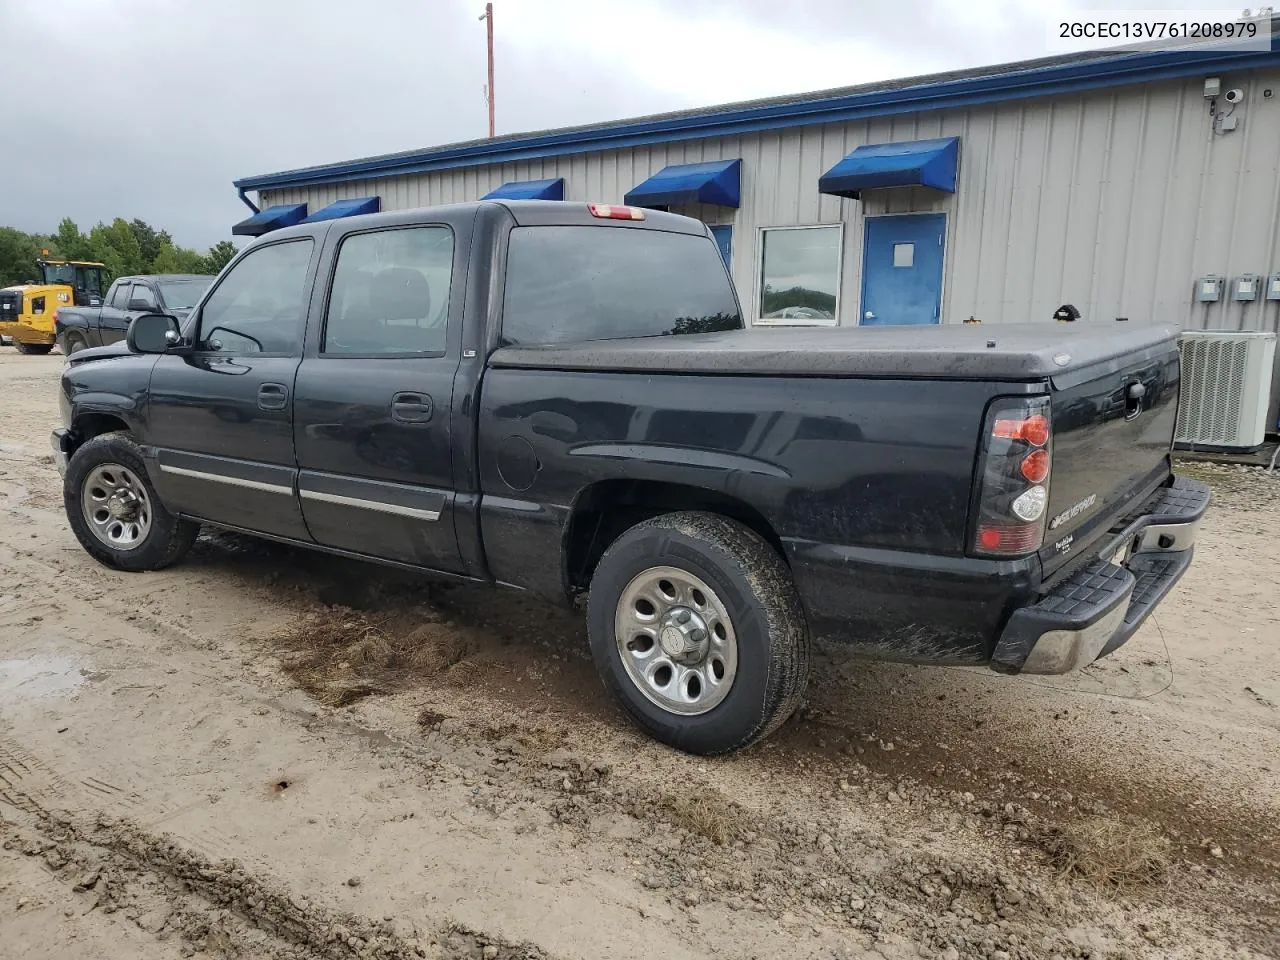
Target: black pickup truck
x,y
76,328
561,398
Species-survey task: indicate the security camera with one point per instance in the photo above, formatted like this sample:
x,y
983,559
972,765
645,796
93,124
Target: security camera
x,y
1235,95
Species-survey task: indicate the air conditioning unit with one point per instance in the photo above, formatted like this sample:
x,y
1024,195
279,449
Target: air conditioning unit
x,y
1226,389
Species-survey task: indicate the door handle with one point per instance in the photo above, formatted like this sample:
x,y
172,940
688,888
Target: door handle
x,y
411,408
272,396
868,315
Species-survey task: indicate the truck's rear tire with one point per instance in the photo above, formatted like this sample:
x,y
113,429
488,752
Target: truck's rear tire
x,y
36,349
114,511
73,342
696,628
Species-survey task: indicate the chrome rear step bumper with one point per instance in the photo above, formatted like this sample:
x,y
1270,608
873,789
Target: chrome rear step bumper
x,y
1101,605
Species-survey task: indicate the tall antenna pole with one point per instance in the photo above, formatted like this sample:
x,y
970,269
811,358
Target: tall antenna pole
x,y
488,17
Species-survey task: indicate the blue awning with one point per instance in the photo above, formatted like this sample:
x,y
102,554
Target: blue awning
x,y
346,208
528,190
272,218
912,163
718,182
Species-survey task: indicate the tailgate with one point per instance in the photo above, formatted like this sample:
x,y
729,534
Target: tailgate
x,y
1113,426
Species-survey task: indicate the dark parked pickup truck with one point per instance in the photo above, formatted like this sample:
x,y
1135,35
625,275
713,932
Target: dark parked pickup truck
x,y
175,294
560,397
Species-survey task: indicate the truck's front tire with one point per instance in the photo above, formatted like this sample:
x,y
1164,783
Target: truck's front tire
x,y
114,511
38,349
697,630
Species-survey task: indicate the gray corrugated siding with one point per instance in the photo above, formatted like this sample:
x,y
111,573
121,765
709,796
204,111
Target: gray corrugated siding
x,y
1115,201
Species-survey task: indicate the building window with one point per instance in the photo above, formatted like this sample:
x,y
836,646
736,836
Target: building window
x,y
800,275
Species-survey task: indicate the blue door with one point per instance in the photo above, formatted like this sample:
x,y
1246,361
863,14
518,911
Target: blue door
x,y
724,240
902,269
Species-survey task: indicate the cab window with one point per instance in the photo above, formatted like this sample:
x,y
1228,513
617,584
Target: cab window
x,y
142,292
260,303
390,293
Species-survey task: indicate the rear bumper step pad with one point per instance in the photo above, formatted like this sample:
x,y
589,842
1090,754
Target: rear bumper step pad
x,y
1101,605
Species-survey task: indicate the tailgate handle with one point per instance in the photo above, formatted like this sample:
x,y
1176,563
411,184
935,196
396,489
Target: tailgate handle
x,y
1133,395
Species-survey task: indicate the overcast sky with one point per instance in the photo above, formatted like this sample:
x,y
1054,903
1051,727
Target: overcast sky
x,y
157,105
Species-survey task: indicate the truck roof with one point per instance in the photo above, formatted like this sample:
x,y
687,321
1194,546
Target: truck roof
x,y
167,276
526,213
1029,351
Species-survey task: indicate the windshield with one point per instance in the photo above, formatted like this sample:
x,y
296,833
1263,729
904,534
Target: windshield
x,y
183,294
59,273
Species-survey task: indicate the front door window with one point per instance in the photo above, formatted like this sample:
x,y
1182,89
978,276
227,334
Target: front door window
x,y
259,305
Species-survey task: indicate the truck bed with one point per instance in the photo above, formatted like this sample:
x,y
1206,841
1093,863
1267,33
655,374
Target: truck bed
x,y
955,351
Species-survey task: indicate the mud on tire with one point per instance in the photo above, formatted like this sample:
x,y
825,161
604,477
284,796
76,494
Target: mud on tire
x,y
749,581
167,537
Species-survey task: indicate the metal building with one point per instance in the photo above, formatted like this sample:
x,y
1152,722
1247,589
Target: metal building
x,y
1114,181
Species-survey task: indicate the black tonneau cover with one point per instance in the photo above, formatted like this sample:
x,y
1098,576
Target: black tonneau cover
x,y
1031,351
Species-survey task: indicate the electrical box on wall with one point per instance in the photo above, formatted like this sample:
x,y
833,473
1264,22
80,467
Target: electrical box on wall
x,y
1246,287
1209,289
1273,287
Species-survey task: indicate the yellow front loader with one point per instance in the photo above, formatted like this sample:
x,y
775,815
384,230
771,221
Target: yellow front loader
x,y
28,310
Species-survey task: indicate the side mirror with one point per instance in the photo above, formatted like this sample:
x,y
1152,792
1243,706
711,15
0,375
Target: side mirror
x,y
141,306
153,333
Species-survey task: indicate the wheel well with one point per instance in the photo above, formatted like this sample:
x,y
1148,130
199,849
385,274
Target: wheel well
x,y
90,425
604,510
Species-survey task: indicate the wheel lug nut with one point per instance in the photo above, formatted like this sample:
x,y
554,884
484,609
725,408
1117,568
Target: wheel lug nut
x,y
682,616
697,635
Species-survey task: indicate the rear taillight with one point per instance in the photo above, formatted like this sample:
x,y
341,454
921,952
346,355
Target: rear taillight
x,y
1013,493
612,211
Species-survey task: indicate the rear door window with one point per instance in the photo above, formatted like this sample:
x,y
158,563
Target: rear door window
x,y
574,283
120,299
390,293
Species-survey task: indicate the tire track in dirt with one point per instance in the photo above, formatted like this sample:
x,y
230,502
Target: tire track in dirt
x,y
220,908
24,779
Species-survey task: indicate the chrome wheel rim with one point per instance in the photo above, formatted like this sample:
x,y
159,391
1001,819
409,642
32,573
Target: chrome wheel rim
x,y
116,506
676,640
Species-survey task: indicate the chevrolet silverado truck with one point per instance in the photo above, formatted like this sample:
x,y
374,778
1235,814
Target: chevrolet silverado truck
x,y
562,398
76,328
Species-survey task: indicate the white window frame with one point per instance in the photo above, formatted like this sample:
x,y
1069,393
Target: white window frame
x,y
758,277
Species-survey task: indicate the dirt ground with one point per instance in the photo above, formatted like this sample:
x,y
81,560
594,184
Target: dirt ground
x,y
268,753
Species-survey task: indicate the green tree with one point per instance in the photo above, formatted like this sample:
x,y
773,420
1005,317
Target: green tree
x,y
219,255
18,253
69,242
117,247
173,259
149,240
124,246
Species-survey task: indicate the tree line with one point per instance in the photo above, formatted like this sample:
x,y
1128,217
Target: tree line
x,y
127,247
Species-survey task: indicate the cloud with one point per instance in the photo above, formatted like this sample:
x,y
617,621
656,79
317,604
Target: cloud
x,y
153,107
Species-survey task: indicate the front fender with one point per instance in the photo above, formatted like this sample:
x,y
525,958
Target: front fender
x,y
70,320
107,395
